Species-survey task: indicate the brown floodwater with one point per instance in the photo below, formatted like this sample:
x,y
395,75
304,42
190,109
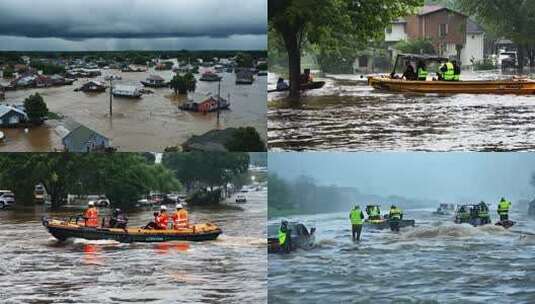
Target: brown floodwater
x,y
348,115
36,268
147,124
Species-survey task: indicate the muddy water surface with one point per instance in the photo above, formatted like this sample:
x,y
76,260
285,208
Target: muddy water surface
x,y
147,124
349,115
35,268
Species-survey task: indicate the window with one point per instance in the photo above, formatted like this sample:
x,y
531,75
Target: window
x,y
389,30
443,30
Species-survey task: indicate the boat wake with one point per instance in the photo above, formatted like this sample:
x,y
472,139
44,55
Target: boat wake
x,y
241,241
451,231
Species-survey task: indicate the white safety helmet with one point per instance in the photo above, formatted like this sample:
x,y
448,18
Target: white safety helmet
x,y
91,204
179,206
163,207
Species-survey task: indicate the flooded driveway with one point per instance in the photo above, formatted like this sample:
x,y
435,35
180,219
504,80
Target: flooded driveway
x,y
35,268
348,115
151,123
435,262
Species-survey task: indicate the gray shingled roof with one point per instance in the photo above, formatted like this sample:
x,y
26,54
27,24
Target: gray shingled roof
x,y
472,27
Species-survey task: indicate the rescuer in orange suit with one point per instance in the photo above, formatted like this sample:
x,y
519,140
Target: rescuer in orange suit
x,y
180,217
162,219
91,215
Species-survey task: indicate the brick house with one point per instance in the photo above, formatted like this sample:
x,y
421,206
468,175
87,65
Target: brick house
x,y
448,30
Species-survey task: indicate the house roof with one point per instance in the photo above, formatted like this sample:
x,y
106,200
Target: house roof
x,y
79,134
6,109
472,27
430,9
155,77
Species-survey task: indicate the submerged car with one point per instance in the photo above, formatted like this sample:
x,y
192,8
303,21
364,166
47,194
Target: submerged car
x,y
300,237
7,199
241,199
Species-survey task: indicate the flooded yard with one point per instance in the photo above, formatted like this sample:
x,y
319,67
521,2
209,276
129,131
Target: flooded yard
x,y
347,115
151,123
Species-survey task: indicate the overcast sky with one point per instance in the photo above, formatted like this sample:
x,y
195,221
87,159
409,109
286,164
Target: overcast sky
x,y
133,24
448,177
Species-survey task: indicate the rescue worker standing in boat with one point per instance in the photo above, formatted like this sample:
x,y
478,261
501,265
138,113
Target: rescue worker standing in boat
x,y
180,217
356,216
394,217
91,215
503,209
284,237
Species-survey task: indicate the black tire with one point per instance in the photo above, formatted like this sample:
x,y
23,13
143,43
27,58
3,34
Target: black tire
x,y
2,205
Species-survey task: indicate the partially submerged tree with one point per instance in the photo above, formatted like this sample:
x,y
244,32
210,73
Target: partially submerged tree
x,y
331,24
182,84
36,108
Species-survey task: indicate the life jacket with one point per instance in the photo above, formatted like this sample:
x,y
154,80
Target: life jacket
x,y
449,75
91,215
282,237
422,74
395,213
374,211
180,219
355,216
503,207
162,220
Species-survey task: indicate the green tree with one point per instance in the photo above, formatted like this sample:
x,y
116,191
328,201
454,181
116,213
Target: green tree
x,y
246,139
8,72
36,108
197,170
512,19
330,24
244,60
416,46
182,84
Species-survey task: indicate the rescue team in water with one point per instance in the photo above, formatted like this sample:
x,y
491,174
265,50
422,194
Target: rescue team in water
x,y
478,214
475,215
180,218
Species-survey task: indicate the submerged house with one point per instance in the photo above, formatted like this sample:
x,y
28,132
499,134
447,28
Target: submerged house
x,y
11,116
244,76
76,137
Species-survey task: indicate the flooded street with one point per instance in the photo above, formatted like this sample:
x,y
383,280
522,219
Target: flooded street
x,y
147,124
348,115
435,262
35,268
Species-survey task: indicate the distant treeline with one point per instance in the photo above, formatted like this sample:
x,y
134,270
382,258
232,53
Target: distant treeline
x,y
182,54
304,196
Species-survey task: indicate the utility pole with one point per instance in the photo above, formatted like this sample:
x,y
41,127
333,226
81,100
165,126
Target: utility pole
x,y
218,99
111,95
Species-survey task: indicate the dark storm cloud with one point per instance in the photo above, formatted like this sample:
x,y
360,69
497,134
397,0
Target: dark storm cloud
x,y
79,20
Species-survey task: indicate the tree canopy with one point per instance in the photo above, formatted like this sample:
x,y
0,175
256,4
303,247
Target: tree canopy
x,y
35,108
182,84
331,24
123,177
512,19
206,169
